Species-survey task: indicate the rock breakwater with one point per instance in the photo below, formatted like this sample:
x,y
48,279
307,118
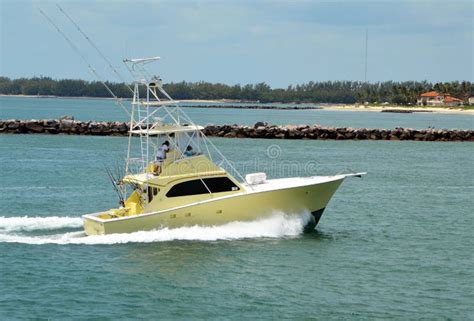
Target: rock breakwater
x,y
263,130
65,126
259,130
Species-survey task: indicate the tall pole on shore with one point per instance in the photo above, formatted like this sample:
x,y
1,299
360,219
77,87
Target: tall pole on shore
x,y
366,52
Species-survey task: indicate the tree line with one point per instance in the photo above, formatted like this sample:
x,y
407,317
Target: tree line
x,y
347,92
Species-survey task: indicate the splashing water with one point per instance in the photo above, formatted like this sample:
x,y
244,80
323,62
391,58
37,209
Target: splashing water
x,y
275,226
25,223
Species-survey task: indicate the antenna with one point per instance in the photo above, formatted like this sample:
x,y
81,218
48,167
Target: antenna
x,y
366,52
91,69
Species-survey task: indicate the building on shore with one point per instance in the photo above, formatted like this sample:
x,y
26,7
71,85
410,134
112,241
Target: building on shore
x,y
452,101
471,100
434,98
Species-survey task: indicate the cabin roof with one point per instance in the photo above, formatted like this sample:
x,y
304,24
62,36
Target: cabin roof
x,y
195,166
168,129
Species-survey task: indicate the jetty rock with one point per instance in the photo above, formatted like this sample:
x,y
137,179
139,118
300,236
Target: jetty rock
x,y
69,126
263,130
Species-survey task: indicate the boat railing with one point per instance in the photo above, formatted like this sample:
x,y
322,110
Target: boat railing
x,y
134,165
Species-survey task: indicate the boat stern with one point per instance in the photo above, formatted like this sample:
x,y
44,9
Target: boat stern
x,y
93,225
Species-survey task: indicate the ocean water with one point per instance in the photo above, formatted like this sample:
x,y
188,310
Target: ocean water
x,y
395,244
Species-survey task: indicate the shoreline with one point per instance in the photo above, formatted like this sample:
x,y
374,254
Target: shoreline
x,y
434,110
291,106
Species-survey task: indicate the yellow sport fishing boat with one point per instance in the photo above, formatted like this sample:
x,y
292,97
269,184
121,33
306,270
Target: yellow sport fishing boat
x,y
193,185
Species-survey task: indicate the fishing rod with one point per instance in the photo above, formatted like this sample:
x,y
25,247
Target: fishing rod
x,y
91,69
114,184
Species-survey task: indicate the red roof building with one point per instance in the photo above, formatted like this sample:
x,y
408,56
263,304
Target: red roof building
x,y
451,99
434,98
431,94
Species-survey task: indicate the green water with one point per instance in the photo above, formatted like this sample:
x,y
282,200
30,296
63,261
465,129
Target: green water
x,y
395,244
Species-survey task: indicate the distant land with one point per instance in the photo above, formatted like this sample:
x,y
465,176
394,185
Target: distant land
x,y
331,92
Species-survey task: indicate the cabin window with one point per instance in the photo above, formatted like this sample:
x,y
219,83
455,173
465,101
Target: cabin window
x,y
220,184
150,194
196,187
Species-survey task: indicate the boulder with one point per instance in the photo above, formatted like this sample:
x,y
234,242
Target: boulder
x,y
34,127
260,124
13,124
231,134
66,123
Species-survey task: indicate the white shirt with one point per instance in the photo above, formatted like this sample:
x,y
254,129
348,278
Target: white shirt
x,y
161,153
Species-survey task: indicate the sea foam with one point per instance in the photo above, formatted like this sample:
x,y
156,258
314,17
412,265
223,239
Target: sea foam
x,y
275,226
37,223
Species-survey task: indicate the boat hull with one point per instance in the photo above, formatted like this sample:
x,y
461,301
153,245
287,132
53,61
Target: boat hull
x,y
247,206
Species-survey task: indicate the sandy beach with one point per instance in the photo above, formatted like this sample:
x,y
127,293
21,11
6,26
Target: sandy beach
x,y
363,108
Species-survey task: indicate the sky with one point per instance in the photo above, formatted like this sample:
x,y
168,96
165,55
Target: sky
x,y
281,43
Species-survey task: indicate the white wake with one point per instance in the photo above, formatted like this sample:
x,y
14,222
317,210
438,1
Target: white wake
x,y
25,223
275,226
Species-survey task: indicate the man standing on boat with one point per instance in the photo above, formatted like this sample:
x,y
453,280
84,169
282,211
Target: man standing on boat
x,y
161,156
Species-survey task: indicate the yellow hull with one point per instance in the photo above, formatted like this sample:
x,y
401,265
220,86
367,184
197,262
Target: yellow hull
x,y
245,206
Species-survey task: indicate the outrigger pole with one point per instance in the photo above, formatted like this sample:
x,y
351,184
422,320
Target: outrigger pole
x,y
91,69
95,47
